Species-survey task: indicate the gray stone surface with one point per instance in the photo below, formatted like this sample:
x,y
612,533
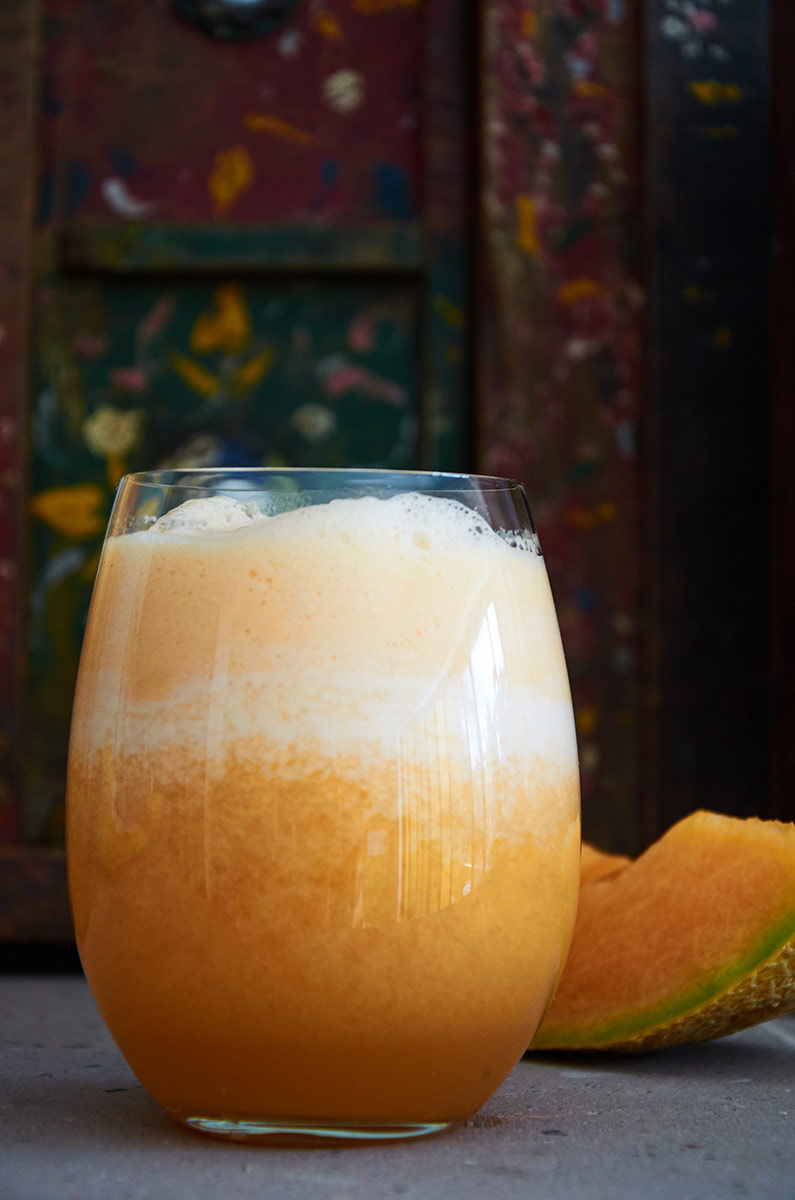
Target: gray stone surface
x,y
710,1122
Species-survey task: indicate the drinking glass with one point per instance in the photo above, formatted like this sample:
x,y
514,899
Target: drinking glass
x,y
323,802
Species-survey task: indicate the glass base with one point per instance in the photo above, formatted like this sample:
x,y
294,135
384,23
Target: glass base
x,y
308,1133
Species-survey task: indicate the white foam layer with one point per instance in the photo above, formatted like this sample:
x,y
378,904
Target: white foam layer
x,y
403,629
415,519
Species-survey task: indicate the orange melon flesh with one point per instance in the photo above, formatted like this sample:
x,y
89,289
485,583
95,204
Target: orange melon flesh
x,y
693,939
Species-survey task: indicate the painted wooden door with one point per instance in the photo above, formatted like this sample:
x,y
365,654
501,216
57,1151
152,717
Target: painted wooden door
x,y
264,252
248,250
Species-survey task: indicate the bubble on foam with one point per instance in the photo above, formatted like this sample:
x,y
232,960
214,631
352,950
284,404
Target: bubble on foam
x,y
451,518
421,518
522,539
211,514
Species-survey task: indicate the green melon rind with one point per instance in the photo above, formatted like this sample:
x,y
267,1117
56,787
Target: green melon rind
x,y
768,992
645,1029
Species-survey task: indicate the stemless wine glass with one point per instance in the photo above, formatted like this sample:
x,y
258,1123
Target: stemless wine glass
x,y
323,803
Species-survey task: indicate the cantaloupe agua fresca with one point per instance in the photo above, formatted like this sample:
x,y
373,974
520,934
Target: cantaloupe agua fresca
x,y
323,809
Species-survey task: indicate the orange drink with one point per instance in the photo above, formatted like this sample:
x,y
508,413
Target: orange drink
x,y
323,806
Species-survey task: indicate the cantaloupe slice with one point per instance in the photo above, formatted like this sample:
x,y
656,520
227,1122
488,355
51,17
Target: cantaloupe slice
x,y
692,940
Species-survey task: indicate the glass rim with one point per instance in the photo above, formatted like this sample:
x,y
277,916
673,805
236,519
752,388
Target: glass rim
x,y
180,477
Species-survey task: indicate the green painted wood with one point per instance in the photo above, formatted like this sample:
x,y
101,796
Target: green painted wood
x,y
137,247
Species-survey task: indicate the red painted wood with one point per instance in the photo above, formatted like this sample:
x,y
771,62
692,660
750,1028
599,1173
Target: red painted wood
x,y
146,119
561,338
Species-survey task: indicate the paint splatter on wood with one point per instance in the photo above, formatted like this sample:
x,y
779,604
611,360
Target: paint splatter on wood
x,y
562,349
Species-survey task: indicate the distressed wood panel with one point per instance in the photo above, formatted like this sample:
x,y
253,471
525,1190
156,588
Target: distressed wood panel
x,y
148,120
693,705
561,324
